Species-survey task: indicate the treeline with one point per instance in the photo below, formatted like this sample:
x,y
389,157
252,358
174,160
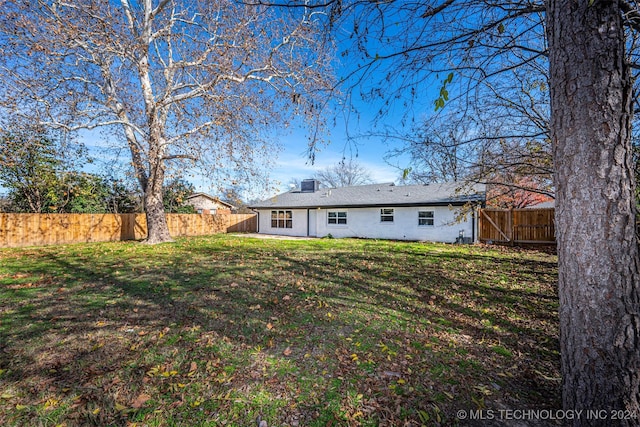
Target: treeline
x,y
40,176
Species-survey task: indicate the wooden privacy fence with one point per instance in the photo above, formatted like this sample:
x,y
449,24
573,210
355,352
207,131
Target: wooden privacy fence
x,y
513,226
53,229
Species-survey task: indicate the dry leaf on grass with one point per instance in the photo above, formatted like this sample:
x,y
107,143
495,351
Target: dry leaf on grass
x,y
140,401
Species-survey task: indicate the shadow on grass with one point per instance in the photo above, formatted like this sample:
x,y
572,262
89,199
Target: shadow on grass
x,y
326,331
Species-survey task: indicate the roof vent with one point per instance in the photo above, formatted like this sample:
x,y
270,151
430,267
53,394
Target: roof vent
x,y
309,185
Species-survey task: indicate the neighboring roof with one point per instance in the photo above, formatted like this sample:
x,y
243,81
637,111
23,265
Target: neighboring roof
x,y
212,198
374,195
544,205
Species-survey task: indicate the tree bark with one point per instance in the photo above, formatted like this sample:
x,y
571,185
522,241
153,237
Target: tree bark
x,y
157,228
595,210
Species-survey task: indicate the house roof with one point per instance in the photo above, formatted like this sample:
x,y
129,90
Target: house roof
x,y
544,205
374,195
212,198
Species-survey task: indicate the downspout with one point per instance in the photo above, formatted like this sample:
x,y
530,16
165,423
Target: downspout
x,y
308,227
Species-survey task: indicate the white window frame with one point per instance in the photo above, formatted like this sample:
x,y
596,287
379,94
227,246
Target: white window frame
x,y
282,219
340,218
426,218
387,213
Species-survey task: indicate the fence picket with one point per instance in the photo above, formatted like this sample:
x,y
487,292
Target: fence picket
x,y
517,225
47,229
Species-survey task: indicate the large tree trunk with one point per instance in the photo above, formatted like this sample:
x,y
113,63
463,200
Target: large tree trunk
x,y
595,210
157,228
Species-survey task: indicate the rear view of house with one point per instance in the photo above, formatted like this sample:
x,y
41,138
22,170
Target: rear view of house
x,y
383,211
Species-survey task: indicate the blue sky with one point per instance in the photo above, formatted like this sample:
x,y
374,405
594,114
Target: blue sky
x,y
346,139
369,152
292,161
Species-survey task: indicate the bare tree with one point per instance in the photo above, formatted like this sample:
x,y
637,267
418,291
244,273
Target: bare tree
x,y
344,174
179,82
590,131
499,135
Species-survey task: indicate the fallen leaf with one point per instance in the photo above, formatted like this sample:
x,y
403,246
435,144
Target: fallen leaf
x,y
140,401
193,367
287,351
269,326
51,403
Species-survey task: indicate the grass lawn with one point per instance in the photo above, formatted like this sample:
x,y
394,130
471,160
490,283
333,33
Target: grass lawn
x,y
220,330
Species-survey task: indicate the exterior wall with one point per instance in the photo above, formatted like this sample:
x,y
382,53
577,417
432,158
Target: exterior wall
x,y
365,223
205,203
299,223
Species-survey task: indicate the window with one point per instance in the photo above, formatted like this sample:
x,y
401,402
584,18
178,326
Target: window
x,y
425,218
386,215
281,219
337,218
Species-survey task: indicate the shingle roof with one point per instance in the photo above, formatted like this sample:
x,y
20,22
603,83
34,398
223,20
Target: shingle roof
x,y
387,194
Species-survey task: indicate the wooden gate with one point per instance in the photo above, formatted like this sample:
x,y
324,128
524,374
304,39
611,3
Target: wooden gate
x,y
514,226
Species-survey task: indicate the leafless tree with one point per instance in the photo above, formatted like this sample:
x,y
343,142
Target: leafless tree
x,y
178,82
499,131
344,174
470,48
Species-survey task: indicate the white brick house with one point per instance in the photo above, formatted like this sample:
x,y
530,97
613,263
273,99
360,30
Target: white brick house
x,y
382,211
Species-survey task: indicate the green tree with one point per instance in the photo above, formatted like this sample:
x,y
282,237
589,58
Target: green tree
x,y
29,164
175,194
85,193
39,176
123,197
